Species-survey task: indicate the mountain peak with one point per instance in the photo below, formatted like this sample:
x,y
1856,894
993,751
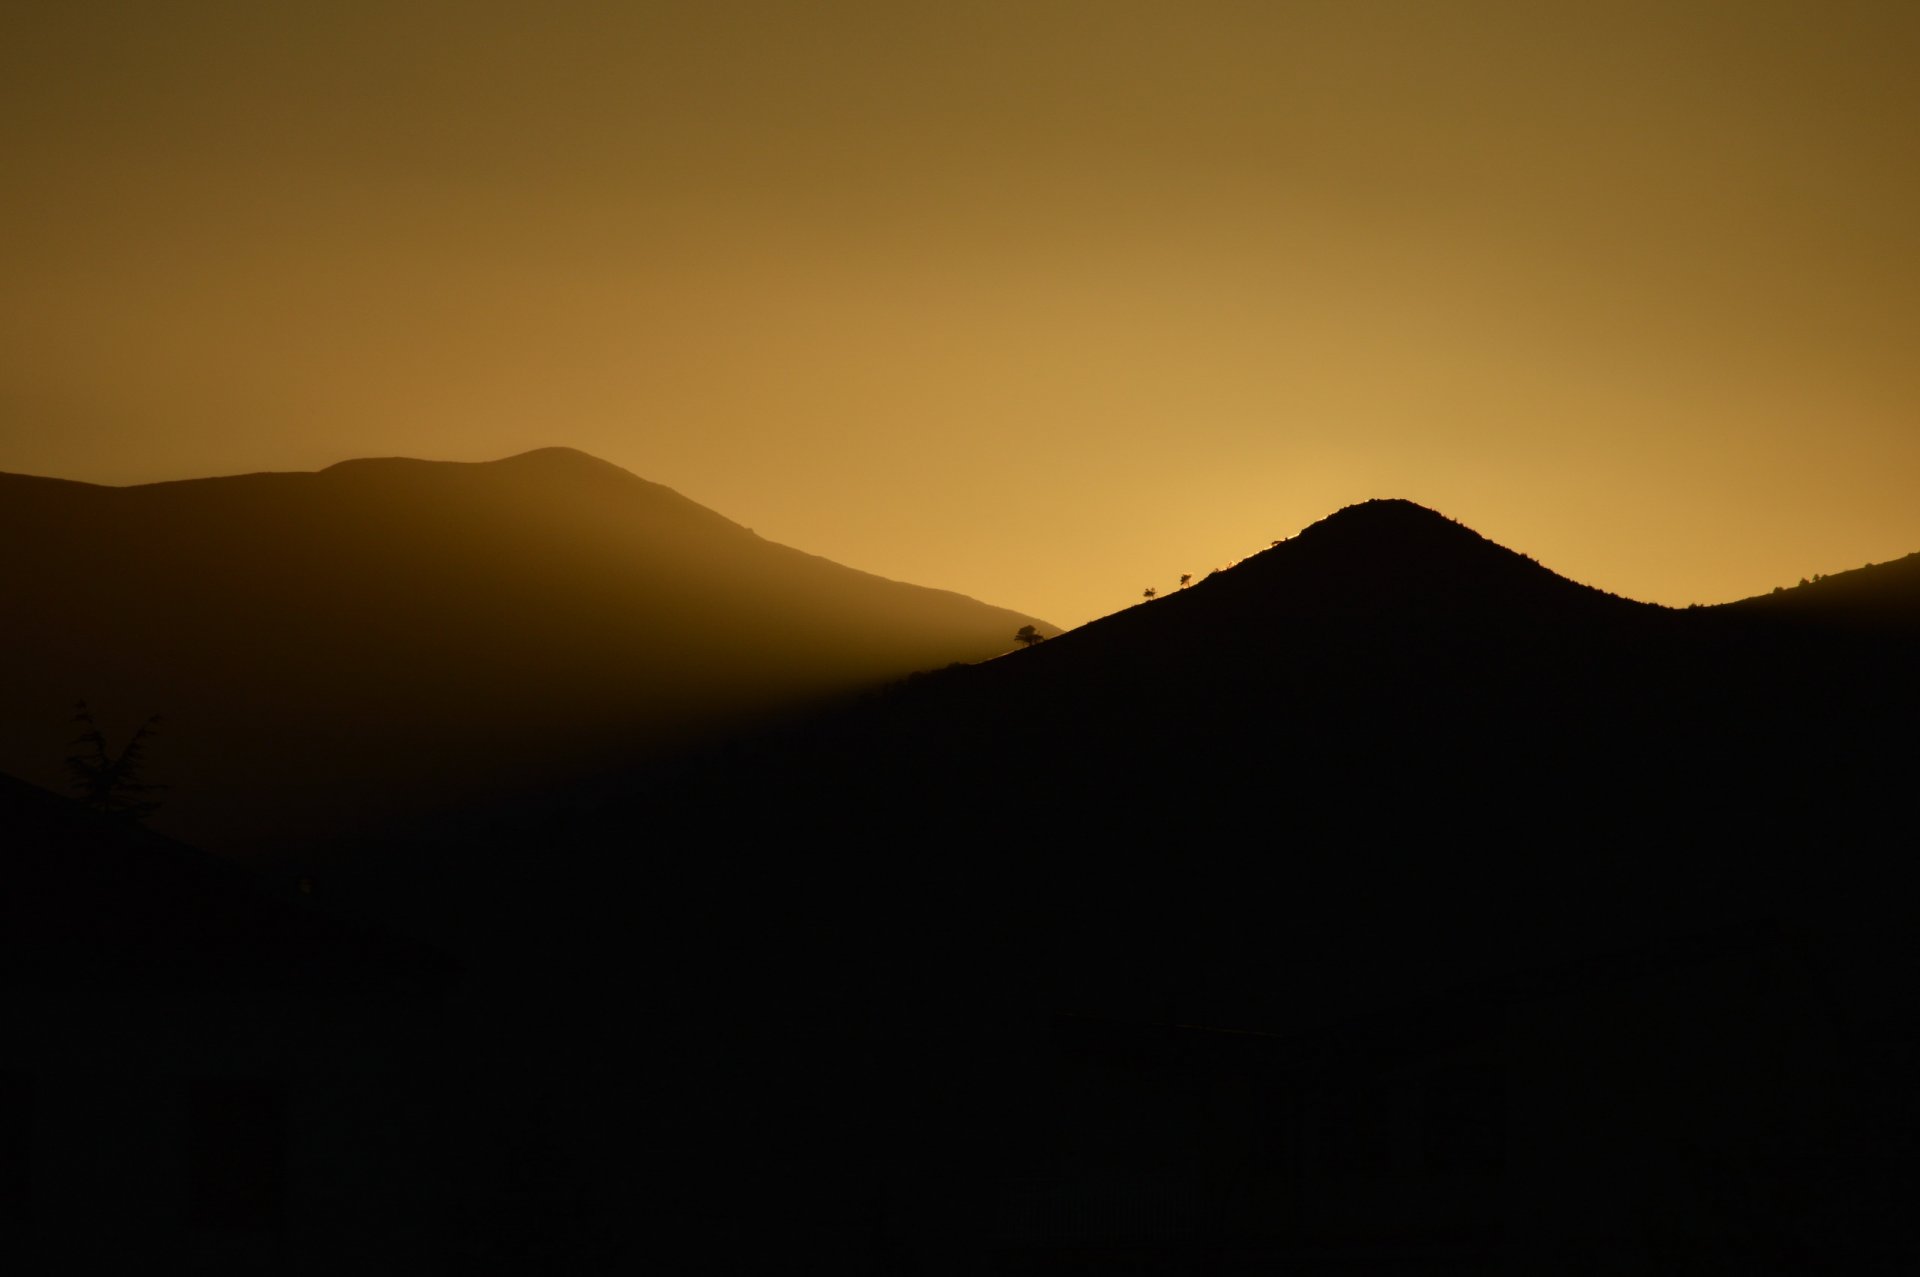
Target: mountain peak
x,y
1391,517
554,460
1389,555
1391,535
557,458
1376,507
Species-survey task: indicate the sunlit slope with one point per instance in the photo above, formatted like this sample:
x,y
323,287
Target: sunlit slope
x,y
1880,598
385,635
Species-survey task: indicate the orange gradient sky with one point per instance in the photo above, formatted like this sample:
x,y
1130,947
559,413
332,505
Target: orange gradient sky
x,y
1043,302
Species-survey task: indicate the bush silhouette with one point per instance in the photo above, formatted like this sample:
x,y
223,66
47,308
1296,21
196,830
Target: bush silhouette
x,y
107,782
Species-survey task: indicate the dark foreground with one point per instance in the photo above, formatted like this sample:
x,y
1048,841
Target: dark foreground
x,y
1323,918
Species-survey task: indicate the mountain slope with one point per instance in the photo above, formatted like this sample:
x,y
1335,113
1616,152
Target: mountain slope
x,y
332,649
1384,846
1337,716
1878,598
1385,756
1383,902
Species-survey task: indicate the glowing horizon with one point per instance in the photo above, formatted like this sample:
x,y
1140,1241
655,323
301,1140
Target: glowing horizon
x,y
1043,305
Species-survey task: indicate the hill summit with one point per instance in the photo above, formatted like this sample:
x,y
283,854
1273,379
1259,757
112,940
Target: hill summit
x,y
1394,553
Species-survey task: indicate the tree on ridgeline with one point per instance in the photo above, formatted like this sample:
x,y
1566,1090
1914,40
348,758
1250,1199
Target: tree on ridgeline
x,y
107,782
1028,635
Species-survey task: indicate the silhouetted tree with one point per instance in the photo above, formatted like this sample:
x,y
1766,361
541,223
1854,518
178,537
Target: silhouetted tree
x,y
1186,578
1149,593
1028,635
109,782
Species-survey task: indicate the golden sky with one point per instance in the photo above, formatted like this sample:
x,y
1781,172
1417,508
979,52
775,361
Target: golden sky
x,y
1043,302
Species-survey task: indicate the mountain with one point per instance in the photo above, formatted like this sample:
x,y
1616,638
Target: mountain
x,y
334,650
1385,900
1385,657
1386,706
1385,676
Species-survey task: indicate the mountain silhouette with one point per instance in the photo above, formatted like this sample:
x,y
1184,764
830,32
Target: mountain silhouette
x,y
1383,902
1388,585
1391,834
1387,674
335,649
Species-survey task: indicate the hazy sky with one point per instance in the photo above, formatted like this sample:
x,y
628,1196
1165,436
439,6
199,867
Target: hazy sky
x,y
1043,302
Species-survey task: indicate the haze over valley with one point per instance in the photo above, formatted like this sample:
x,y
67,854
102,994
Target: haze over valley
x,y
333,650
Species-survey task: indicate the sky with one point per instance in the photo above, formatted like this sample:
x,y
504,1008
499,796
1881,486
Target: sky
x,y
1041,302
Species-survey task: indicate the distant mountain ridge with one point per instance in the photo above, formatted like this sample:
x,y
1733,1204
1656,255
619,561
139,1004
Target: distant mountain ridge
x,y
330,648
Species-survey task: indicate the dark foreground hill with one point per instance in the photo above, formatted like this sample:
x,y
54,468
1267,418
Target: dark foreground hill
x,y
97,904
331,650
200,1071
1384,903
